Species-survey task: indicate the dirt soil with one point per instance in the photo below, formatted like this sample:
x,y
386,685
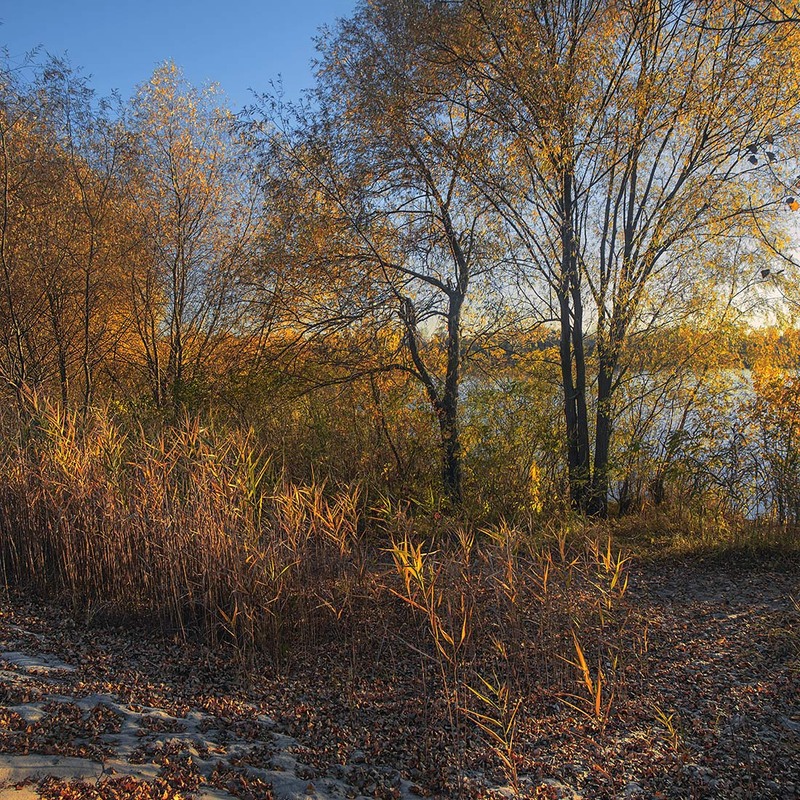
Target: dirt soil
x,y
708,707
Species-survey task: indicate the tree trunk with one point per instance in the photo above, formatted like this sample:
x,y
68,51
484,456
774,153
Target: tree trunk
x,y
572,357
451,454
598,499
577,463
88,387
448,418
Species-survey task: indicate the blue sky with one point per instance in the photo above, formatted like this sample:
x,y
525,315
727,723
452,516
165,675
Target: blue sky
x,y
239,44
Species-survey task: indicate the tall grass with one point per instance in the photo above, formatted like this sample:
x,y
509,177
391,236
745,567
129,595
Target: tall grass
x,y
184,528
192,528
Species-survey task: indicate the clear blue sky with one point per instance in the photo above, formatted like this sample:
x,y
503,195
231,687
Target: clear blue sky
x,y
239,44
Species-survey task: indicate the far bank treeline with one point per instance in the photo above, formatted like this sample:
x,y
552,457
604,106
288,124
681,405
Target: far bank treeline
x,y
504,256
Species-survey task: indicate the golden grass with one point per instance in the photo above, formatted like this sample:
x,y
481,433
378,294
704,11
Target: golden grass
x,y
191,529
184,528
672,533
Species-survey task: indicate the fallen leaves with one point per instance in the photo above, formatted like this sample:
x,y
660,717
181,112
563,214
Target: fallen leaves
x,y
720,662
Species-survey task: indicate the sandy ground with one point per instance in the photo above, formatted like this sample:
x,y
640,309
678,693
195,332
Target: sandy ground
x,y
132,736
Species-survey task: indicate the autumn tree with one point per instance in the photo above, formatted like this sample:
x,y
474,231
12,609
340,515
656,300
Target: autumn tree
x,y
60,246
619,162
381,153
23,149
88,227
195,207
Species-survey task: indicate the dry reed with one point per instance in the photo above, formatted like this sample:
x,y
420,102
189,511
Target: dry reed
x,y
192,528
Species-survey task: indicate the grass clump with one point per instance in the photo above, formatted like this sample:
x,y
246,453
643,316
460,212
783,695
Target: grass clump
x,y
192,528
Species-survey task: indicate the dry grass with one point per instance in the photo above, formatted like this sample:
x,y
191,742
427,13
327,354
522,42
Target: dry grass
x,y
191,528
183,528
671,533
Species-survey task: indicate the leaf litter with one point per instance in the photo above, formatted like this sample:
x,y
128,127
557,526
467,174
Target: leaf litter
x,y
707,708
